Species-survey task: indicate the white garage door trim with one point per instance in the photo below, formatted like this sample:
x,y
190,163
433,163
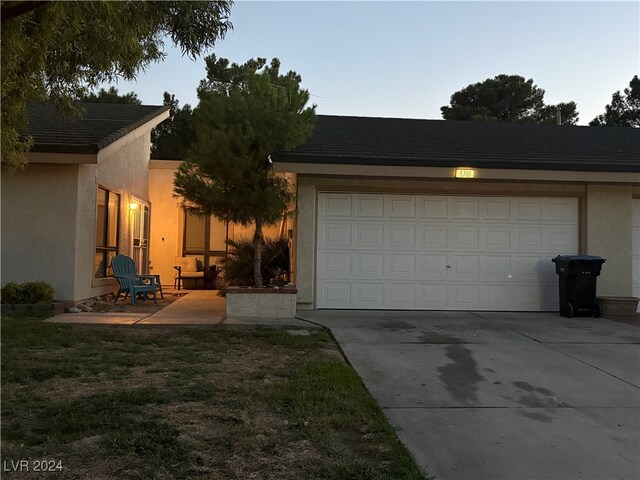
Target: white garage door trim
x,y
636,247
430,252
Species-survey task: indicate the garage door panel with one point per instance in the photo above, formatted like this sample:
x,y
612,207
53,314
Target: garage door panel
x,y
495,208
463,267
431,207
401,266
550,299
334,294
368,265
495,268
431,296
334,265
495,238
561,210
400,236
400,206
458,252
466,296
335,235
527,239
528,297
464,208
369,295
400,295
561,240
496,297
369,235
531,268
526,209
463,237
369,206
431,267
431,237
335,205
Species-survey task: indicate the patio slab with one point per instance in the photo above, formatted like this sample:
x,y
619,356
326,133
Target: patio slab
x,y
98,318
198,307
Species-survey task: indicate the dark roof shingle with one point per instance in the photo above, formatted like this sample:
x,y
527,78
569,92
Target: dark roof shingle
x,y
100,125
446,143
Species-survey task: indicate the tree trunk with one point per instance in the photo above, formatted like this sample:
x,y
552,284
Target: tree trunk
x,y
257,255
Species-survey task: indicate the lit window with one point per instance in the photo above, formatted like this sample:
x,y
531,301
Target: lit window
x,y
107,222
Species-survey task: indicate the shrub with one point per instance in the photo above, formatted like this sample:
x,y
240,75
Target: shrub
x,y
28,292
10,293
238,266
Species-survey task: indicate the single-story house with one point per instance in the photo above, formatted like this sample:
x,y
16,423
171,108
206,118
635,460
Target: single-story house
x,y
82,198
390,214
432,214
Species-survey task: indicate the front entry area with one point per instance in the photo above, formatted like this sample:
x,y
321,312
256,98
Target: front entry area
x,y
438,252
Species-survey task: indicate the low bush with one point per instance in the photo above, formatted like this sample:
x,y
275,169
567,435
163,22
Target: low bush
x,y
238,266
27,292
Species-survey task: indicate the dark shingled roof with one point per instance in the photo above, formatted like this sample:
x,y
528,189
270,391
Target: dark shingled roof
x,y
99,125
446,143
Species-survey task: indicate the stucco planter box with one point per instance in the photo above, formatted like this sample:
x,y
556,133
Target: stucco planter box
x,y
618,305
261,302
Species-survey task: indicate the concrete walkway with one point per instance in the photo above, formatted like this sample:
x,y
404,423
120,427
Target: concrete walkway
x,y
197,307
502,395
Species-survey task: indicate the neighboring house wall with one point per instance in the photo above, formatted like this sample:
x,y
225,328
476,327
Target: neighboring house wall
x,y
605,219
39,208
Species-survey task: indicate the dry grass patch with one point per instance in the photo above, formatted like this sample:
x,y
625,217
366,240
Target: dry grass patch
x,y
157,402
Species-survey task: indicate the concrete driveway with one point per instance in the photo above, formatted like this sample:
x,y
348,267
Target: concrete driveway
x,y
502,395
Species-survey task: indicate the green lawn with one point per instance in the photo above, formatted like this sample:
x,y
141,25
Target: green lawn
x,y
154,402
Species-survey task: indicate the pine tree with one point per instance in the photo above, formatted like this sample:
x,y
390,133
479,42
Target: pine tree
x,y
245,113
624,109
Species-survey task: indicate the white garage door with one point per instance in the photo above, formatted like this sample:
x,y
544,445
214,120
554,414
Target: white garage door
x,y
636,248
378,251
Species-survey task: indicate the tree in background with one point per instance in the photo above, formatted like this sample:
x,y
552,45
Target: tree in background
x,y
172,138
111,96
245,113
506,98
59,51
624,110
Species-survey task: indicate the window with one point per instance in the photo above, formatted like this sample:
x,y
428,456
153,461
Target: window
x,y
107,223
204,237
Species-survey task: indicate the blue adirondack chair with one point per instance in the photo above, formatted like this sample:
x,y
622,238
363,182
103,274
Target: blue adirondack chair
x,y
130,283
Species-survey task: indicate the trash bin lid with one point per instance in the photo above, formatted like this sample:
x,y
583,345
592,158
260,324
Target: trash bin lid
x,y
578,258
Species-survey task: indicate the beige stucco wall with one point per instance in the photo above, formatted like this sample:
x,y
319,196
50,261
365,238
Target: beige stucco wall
x,y
123,170
39,208
609,235
605,219
49,217
260,305
166,222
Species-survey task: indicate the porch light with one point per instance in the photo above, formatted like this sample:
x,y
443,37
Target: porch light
x,y
133,206
463,172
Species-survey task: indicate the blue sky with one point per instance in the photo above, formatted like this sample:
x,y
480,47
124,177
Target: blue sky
x,y
405,59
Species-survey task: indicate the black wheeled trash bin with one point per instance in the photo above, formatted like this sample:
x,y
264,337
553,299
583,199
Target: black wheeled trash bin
x,y
577,284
